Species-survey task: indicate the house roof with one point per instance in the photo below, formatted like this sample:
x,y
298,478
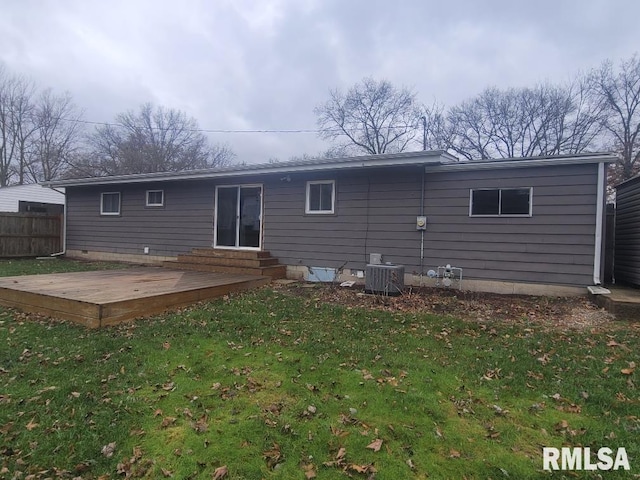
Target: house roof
x,y
315,165
435,160
521,162
629,182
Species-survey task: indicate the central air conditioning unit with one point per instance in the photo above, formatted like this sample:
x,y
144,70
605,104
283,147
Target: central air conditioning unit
x,y
384,279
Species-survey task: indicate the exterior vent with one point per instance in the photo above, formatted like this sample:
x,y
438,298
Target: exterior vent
x,y
384,279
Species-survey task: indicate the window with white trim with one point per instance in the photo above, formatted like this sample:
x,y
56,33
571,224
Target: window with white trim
x,y
501,202
155,198
110,203
321,197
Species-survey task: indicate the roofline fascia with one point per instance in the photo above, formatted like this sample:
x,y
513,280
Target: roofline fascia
x,y
521,163
415,159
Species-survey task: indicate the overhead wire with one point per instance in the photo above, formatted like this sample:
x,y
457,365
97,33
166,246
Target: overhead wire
x,y
220,130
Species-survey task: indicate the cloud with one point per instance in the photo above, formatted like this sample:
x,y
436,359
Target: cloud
x,y
249,64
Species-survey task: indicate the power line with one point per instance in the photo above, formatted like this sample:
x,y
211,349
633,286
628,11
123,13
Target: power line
x,y
230,130
202,130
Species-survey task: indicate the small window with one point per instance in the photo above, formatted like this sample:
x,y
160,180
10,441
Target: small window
x,y
110,203
501,202
155,198
321,196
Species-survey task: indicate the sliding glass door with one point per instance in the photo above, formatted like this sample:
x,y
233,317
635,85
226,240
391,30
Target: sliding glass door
x,y
238,217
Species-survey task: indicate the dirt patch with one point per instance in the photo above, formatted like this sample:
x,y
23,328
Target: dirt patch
x,y
559,313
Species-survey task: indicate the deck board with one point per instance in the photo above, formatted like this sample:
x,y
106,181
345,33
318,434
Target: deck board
x,y
102,298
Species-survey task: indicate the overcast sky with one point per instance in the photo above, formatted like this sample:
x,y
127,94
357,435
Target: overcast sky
x,y
265,64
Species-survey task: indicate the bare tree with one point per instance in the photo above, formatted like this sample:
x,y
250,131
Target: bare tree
x,y
372,117
619,93
544,120
152,140
16,125
56,138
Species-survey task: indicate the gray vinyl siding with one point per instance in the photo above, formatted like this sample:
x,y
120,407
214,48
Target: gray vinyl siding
x,y
184,222
627,240
375,212
553,246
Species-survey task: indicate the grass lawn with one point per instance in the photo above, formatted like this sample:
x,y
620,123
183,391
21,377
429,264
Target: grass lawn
x,y
270,384
9,268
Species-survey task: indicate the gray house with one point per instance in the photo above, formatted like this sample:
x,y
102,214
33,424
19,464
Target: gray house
x,y
627,248
527,225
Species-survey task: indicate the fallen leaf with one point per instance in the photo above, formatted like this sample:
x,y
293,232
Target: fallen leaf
x,y
630,370
166,473
166,345
376,445
220,472
338,432
272,456
31,425
166,421
200,426
454,453
137,453
109,449
309,471
613,343
358,468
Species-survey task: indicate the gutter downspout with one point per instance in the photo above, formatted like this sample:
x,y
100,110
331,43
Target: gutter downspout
x,y
597,256
64,225
422,231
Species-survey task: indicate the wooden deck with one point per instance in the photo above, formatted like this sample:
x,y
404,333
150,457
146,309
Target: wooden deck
x,y
102,298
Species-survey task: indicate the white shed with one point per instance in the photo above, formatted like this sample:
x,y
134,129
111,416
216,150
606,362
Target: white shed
x,y
32,197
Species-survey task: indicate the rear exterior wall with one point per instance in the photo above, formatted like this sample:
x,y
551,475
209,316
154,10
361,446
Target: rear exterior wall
x,y
375,212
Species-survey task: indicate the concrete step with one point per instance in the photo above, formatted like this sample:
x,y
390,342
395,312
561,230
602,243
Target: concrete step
x,y
623,302
274,271
228,262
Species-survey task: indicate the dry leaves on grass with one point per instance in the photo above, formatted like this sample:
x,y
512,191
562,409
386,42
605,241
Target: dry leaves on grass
x,y
566,313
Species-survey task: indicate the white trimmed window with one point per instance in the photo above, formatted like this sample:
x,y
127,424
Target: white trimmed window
x,y
155,198
501,202
321,197
110,203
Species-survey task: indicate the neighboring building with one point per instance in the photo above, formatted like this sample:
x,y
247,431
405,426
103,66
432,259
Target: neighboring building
x,y
32,198
530,225
627,238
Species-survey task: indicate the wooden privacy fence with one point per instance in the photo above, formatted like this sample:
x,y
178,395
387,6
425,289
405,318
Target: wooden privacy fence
x,y
29,235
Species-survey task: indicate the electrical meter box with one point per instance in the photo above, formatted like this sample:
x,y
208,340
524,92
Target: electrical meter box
x,y
421,223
